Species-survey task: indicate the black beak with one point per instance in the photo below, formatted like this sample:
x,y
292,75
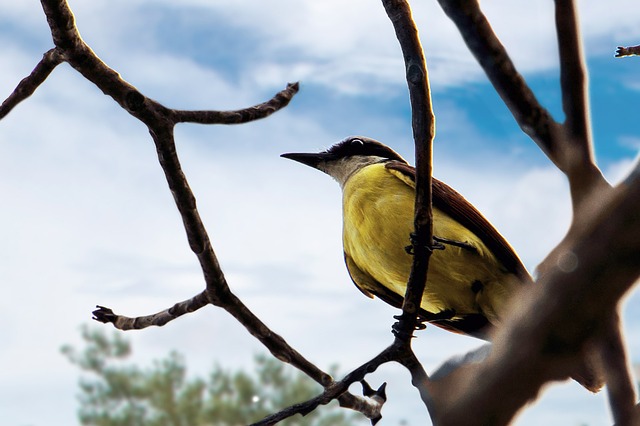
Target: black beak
x,y
311,160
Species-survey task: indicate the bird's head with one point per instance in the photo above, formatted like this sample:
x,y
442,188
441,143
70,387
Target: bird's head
x,y
346,157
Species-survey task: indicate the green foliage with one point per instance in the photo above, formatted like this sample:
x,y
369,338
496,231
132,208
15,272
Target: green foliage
x,y
115,393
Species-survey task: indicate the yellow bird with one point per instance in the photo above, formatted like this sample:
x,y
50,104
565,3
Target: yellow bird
x,y
472,276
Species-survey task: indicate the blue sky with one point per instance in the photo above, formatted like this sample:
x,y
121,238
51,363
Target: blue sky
x,y
87,218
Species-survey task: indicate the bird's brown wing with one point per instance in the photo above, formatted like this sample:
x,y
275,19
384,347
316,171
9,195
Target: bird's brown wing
x,y
475,325
457,207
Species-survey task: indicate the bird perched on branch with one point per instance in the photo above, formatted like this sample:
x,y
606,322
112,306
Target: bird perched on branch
x,y
471,276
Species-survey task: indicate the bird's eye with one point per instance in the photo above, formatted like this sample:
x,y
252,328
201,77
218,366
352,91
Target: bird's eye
x,y
357,142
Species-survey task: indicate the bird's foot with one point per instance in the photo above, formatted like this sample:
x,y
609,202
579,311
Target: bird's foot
x,y
461,244
445,314
415,243
423,319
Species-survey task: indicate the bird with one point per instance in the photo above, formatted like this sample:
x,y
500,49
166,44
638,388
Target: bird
x,y
470,278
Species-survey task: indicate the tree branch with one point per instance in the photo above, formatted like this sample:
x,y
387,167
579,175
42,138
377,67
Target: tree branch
x,y
573,80
577,146
80,56
419,379
483,43
241,116
160,122
423,123
570,305
106,315
620,385
338,390
29,84
627,51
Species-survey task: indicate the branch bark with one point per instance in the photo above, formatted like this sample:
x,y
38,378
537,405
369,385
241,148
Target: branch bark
x,y
576,142
160,121
570,307
423,123
29,84
550,325
620,385
622,52
533,119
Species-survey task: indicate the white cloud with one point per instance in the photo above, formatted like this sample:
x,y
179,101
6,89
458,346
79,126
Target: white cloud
x,y
344,46
347,46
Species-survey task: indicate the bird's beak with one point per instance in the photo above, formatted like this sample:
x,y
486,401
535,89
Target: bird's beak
x,y
311,160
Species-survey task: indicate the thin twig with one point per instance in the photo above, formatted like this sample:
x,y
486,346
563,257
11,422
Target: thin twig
x,y
82,58
241,116
336,389
121,322
483,43
29,84
622,52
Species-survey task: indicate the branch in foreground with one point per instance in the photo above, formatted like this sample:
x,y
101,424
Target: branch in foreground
x,y
571,305
627,51
29,84
620,385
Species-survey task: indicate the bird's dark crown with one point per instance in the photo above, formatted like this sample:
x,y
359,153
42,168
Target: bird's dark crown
x,y
360,145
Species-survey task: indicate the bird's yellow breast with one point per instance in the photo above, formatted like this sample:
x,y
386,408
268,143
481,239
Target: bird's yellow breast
x,y
378,210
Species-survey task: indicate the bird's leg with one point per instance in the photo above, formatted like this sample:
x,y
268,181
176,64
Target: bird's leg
x,y
425,318
410,248
460,244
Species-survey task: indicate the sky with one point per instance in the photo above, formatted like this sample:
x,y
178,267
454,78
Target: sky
x,y
87,217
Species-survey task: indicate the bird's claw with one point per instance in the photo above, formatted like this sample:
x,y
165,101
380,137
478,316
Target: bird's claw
x,y
435,245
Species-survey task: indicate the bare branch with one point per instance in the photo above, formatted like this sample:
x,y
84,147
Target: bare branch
x,y
627,51
339,390
419,379
256,112
577,146
477,33
106,315
571,304
573,79
423,122
217,290
29,84
80,56
620,383
161,121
